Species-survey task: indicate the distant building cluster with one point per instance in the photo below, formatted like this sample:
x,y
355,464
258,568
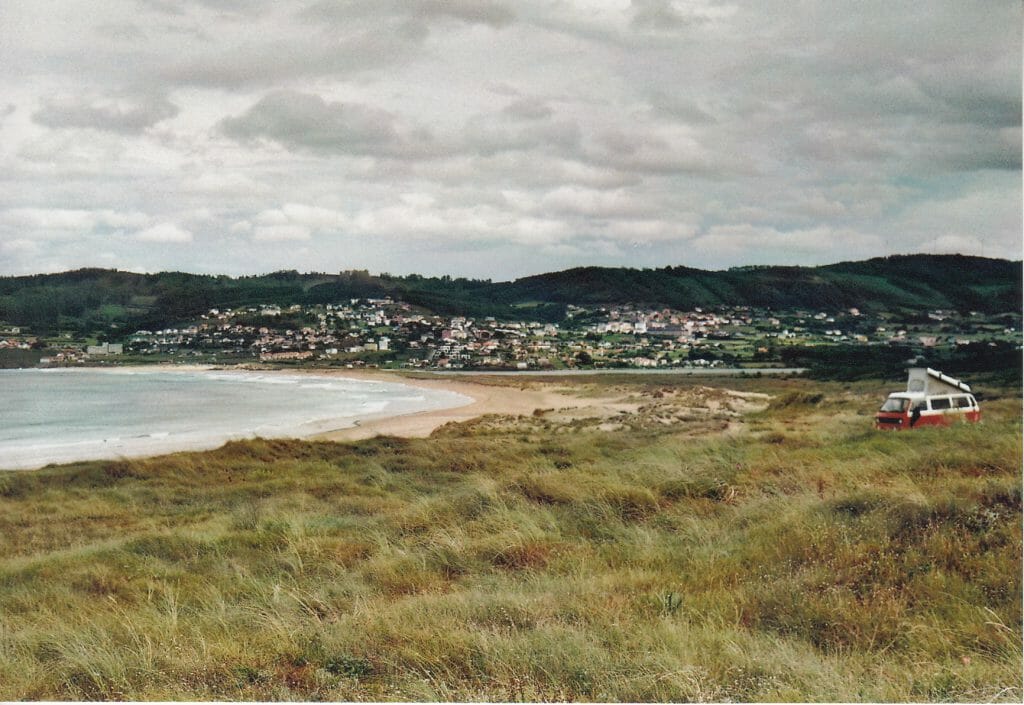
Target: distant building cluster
x,y
104,349
386,332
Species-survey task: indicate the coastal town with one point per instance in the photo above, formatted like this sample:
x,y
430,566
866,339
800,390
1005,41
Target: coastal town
x,y
394,334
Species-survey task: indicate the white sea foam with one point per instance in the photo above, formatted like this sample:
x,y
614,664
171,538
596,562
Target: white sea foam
x,y
325,385
66,415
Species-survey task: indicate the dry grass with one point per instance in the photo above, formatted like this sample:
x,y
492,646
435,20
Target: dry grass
x,y
804,557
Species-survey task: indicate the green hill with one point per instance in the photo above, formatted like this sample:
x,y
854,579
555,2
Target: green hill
x,y
95,299
916,282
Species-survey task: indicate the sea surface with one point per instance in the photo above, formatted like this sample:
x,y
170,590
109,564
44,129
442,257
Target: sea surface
x,y
66,415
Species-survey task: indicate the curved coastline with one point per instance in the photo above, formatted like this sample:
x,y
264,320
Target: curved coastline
x,y
486,399
33,453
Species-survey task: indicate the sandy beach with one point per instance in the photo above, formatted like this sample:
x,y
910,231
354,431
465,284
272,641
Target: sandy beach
x,y
501,403
551,404
487,399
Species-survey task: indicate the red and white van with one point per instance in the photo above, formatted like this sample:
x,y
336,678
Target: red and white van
x,y
931,399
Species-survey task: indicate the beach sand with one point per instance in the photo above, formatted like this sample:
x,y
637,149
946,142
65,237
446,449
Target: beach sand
x,y
559,406
487,399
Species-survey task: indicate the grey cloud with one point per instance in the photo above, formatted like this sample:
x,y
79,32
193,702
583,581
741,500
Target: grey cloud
x,y
644,151
487,136
236,6
882,75
167,7
989,150
529,109
337,13
308,122
260,63
919,94
120,31
180,7
902,146
627,144
676,106
655,14
485,12
504,89
978,105
126,115
531,169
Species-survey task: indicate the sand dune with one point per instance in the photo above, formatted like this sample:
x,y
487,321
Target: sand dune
x,y
487,399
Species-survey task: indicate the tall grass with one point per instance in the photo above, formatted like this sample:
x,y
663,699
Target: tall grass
x,y
806,557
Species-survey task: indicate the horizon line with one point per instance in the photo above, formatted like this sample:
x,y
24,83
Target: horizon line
x,y
528,276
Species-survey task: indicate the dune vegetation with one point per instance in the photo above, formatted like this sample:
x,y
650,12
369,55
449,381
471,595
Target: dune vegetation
x,y
788,554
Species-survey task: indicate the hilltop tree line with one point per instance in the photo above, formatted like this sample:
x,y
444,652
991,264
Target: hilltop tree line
x,y
90,300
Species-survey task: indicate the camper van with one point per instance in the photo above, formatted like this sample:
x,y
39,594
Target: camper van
x,y
931,399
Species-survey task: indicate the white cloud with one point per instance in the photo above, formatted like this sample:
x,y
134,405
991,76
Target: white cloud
x,y
19,246
313,216
228,183
164,233
953,244
594,203
69,220
284,232
750,244
640,232
292,222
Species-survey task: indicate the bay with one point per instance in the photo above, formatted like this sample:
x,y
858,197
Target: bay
x,y
66,415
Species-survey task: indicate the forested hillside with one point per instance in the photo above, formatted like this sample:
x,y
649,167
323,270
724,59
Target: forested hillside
x,y
916,282
95,299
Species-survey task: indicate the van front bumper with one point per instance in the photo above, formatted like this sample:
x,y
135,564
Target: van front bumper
x,y
889,423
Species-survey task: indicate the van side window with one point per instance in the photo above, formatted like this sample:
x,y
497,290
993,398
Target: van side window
x,y
940,403
963,402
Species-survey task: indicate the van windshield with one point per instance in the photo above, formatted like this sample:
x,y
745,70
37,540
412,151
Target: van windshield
x,y
895,404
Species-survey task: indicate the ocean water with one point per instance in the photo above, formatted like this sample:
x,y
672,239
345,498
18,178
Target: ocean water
x,y
65,415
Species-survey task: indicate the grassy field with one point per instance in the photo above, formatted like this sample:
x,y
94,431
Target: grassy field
x,y
792,554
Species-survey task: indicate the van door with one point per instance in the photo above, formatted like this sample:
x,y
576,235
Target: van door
x,y
933,411
966,407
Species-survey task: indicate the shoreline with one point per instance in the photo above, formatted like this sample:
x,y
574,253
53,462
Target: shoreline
x,y
482,399
486,399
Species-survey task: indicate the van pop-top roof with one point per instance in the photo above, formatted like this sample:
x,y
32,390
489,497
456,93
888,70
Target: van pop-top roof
x,y
925,380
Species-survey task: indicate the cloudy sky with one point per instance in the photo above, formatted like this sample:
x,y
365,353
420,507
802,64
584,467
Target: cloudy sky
x,y
500,138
